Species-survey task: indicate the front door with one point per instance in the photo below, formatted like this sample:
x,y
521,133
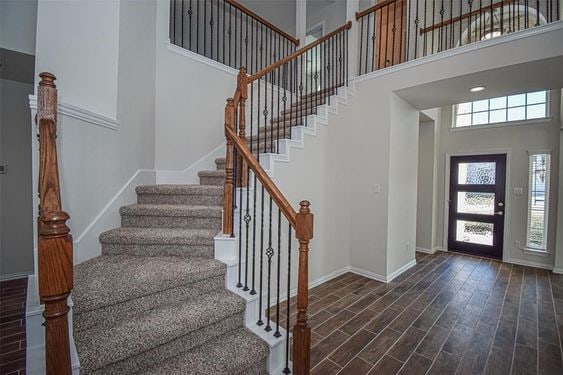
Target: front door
x,y
477,205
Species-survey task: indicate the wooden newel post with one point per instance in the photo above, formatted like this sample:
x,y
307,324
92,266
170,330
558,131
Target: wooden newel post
x,y
229,180
54,242
301,330
242,85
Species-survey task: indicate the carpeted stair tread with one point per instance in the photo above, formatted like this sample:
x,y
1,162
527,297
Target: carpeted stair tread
x,y
220,163
158,236
142,209
210,173
238,352
179,189
102,346
111,279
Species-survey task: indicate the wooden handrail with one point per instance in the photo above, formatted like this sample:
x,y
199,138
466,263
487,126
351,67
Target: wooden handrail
x,y
466,15
374,8
299,52
262,176
247,11
54,242
301,222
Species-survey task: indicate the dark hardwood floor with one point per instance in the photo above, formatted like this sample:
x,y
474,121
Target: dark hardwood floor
x,y
449,314
12,326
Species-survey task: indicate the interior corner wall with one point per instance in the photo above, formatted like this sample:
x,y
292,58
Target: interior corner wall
x,y
516,141
280,13
425,184
101,166
331,13
403,166
190,102
367,157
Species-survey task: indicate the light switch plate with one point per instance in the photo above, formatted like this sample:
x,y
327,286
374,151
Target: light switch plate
x,y
518,191
3,168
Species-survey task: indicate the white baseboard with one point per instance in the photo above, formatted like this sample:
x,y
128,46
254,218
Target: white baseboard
x,y
13,276
425,250
368,274
86,245
402,269
189,175
528,263
557,270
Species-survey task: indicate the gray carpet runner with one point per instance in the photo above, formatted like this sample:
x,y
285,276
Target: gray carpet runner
x,y
155,301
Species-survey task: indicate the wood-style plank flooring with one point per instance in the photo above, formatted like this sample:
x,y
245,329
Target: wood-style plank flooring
x,y
449,314
12,326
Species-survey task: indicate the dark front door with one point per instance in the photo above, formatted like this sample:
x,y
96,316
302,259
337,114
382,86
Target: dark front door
x,y
477,206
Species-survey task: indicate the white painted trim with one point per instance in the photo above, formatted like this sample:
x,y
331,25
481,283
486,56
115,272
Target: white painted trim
x,y
79,113
399,271
201,59
529,251
14,276
503,39
189,175
378,277
527,263
87,244
557,270
425,250
546,121
109,204
368,274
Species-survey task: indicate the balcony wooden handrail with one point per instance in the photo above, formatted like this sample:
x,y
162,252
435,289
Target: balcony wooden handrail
x,y
250,13
466,15
298,53
374,8
54,242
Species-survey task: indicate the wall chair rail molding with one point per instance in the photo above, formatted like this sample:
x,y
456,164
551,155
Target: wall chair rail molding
x,y
79,113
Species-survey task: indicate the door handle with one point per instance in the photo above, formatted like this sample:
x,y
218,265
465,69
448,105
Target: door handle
x,y
500,213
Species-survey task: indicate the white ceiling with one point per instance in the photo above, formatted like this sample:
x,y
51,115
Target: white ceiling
x,y
525,77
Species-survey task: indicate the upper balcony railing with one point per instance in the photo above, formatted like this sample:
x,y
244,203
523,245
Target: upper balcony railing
x,y
228,32
395,31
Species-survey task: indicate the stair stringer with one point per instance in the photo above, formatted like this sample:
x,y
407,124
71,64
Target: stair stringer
x,y
298,133
226,246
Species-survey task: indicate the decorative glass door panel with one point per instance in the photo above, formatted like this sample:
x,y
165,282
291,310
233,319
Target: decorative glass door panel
x,y
476,212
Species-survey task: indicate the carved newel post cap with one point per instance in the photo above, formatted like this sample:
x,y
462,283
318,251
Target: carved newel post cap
x,y
53,224
47,79
304,207
242,70
230,101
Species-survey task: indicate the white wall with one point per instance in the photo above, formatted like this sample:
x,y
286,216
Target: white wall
x,y
280,13
190,103
403,165
16,236
425,186
78,38
17,33
369,150
331,13
516,141
18,19
98,164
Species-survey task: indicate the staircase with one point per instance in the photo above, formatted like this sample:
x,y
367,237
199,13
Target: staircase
x,y
155,301
161,306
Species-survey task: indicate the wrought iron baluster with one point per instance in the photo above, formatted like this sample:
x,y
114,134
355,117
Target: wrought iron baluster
x,y
278,277
260,322
269,254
